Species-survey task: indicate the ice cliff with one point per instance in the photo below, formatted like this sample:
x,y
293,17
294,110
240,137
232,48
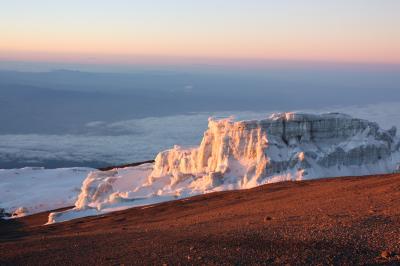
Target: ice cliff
x,y
244,154
293,145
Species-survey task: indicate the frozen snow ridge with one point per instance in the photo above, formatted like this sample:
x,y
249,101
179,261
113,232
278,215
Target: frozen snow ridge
x,y
245,154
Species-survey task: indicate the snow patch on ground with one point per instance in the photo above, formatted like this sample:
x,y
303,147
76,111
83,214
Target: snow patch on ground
x,y
31,190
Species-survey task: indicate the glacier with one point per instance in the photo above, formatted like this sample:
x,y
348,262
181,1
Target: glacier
x,y
244,154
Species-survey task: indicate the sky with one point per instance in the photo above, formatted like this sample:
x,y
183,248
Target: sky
x,y
157,31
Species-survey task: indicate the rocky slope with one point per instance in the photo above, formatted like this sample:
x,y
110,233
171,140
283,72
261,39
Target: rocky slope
x,y
336,221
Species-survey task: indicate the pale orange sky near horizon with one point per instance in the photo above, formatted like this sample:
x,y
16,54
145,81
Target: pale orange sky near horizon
x,y
131,31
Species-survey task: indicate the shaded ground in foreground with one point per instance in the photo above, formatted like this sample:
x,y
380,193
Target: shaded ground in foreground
x,y
331,221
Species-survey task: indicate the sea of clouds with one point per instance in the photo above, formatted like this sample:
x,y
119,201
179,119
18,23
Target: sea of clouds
x,y
126,141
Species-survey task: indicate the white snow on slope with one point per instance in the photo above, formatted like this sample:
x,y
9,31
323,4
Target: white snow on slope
x,y
114,190
31,190
245,154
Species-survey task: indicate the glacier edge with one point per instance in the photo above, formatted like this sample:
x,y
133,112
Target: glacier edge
x,y
245,154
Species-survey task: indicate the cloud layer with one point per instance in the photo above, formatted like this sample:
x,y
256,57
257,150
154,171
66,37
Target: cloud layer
x,y
141,139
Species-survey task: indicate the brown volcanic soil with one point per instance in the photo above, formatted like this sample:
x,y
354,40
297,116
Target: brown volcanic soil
x,y
331,221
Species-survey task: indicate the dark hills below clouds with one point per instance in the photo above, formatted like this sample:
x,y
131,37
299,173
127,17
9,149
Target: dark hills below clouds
x,y
64,101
